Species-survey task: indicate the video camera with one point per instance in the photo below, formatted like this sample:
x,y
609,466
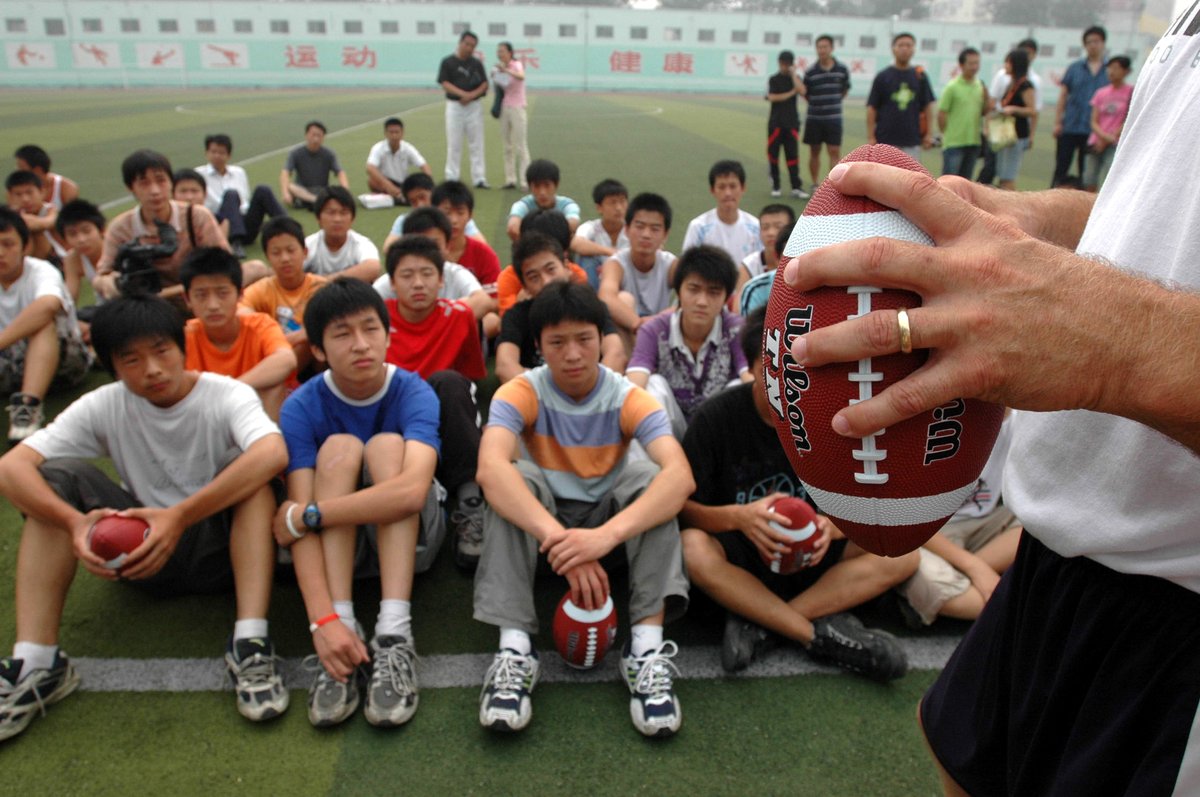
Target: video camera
x,y
136,273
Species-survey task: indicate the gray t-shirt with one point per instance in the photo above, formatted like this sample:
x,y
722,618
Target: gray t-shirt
x,y
312,169
650,289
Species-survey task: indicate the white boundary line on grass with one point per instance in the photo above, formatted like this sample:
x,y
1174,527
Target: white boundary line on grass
x,y
123,200
467,669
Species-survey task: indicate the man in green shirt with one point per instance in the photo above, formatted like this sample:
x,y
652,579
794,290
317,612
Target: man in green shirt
x,y
964,102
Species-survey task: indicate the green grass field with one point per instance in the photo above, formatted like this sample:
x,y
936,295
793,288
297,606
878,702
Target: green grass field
x,y
795,733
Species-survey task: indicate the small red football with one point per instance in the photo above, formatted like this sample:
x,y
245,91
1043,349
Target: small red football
x,y
113,538
890,491
581,636
802,528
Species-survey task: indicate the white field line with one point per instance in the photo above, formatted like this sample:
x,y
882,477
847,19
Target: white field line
x,y
463,670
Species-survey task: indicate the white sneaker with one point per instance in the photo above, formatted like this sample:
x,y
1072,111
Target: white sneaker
x,y
776,192
392,692
504,701
251,667
653,705
23,699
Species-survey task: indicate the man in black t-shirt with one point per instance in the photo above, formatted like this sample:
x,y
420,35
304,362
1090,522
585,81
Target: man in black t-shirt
x,y
539,261
740,471
462,77
783,126
900,109
312,162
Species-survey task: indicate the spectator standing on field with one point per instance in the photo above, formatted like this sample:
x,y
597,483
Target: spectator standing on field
x,y
1073,115
509,75
462,77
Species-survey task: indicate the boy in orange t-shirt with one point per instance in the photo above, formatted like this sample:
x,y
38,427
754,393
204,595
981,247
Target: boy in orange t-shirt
x,y
248,347
285,295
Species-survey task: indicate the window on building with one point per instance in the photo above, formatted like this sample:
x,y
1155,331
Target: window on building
x,y
672,34
206,26
866,42
929,45
279,26
638,32
988,48
316,27
1074,52
706,35
533,30
93,26
739,36
804,39
426,29
459,28
1046,51
353,26
168,26
13,25
771,37
567,31
604,31
243,26
389,26
56,27
131,25
957,46
497,29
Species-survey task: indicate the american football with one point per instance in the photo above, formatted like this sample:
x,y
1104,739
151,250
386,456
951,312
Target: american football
x,y
581,636
802,528
114,537
890,491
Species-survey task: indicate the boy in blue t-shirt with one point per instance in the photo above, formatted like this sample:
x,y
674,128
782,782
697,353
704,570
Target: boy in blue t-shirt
x,y
543,178
363,444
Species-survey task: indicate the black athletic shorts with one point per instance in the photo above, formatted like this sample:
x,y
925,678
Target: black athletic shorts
x,y
823,131
1075,679
741,552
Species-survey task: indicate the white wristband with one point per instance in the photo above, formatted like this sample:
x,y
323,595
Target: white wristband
x,y
287,520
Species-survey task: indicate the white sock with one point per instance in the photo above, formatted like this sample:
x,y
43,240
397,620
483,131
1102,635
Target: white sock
x,y
255,627
395,618
644,638
516,639
34,656
345,613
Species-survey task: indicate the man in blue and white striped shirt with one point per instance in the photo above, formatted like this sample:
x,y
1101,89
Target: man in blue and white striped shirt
x,y
827,82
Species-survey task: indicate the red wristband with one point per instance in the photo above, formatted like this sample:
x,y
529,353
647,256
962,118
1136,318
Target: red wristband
x,y
326,620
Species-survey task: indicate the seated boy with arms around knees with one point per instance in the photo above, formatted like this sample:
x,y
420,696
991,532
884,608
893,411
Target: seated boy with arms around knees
x,y
56,189
335,249
771,222
227,194
81,225
250,347
686,356
538,262
196,454
543,178
458,203
363,444
726,225
25,197
40,342
581,504
599,239
635,283
741,471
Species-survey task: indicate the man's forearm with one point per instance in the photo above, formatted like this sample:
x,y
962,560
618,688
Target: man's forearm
x,y
661,501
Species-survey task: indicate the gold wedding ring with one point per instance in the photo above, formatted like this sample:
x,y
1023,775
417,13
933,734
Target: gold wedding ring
x,y
905,332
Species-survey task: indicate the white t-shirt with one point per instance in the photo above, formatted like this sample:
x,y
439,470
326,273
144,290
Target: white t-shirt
x,y
1097,485
1000,83
594,231
320,260
738,239
395,165
217,184
650,289
753,263
458,282
39,279
162,455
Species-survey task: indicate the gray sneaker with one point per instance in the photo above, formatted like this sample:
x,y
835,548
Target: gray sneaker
x,y
392,692
743,642
25,416
468,533
841,640
251,666
22,700
331,702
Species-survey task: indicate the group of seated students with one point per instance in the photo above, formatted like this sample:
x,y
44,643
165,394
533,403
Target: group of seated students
x,y
324,403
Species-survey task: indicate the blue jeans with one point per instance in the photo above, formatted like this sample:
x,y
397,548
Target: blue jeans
x,y
960,161
1008,161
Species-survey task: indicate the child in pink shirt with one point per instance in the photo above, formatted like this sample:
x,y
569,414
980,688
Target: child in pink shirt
x,y
1110,106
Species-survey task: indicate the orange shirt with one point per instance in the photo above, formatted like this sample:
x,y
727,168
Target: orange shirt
x,y
286,307
508,285
258,337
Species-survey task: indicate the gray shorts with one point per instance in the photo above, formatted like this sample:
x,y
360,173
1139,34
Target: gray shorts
x,y
509,562
74,360
429,539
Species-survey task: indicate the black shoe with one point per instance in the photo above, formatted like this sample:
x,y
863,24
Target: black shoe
x,y
841,640
744,642
468,532
238,250
482,185
509,187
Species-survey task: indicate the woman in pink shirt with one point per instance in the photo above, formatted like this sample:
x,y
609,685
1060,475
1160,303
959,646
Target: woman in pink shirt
x,y
509,74
1110,106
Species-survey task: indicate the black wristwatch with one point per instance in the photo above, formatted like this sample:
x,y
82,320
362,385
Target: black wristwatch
x,y
312,517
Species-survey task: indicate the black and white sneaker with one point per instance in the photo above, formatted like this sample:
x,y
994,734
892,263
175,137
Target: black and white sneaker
x,y
25,416
743,642
392,691
331,702
653,705
505,701
468,532
251,666
841,640
22,700
800,193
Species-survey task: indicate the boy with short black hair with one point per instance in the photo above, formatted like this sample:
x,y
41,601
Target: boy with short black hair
x,y
312,163
336,249
601,238
188,187
40,343
285,295
249,347
543,178
726,225
771,220
418,193
635,282
390,161
25,197
56,189
579,501
363,444
539,262
228,195
195,454
684,357
81,225
458,203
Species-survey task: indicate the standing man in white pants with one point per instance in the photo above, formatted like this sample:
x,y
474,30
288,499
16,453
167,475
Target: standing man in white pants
x,y
463,78
509,74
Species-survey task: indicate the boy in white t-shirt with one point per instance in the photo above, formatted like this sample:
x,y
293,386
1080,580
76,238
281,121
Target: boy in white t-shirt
x,y
390,161
726,225
39,336
599,239
195,453
336,250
